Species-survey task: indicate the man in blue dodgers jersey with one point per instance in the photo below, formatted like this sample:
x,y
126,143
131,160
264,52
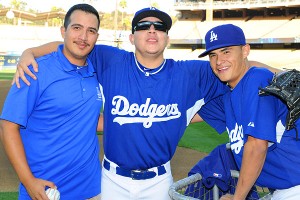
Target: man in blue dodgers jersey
x,y
50,138
149,102
266,153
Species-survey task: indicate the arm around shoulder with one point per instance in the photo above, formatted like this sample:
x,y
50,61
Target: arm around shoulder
x,y
44,49
28,58
259,64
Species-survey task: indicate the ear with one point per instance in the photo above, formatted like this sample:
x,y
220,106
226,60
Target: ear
x,y
168,40
131,39
62,31
246,50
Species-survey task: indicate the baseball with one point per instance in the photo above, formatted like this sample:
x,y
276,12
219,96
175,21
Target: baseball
x,y
53,194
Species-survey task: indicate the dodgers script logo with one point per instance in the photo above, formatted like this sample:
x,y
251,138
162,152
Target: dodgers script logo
x,y
213,36
236,136
145,113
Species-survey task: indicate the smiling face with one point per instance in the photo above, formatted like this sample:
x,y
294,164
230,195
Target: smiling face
x,y
80,36
230,63
150,42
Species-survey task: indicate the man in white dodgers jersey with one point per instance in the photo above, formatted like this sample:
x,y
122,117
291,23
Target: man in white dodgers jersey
x,y
149,102
266,153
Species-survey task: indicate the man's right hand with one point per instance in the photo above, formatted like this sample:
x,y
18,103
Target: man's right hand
x,y
36,188
25,60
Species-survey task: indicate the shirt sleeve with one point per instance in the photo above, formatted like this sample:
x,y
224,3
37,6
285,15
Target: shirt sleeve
x,y
20,102
104,57
210,85
213,114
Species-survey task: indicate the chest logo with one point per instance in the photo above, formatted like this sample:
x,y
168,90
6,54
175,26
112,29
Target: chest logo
x,y
145,113
99,93
236,136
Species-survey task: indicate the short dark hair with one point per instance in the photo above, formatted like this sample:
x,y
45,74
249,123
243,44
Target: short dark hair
x,y
83,7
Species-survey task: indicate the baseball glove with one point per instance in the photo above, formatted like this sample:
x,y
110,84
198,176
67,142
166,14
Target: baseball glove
x,y
286,86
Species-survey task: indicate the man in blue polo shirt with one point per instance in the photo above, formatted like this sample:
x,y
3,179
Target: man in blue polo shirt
x,y
49,129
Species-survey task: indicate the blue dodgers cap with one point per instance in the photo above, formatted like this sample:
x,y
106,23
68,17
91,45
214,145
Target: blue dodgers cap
x,y
151,12
223,36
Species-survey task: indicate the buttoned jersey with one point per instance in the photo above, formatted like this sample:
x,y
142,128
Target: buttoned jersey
x,y
242,112
146,111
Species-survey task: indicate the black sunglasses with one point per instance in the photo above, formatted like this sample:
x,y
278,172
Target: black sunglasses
x,y
145,25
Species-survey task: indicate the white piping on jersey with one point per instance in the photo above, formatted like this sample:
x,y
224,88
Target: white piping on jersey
x,y
280,128
148,73
190,113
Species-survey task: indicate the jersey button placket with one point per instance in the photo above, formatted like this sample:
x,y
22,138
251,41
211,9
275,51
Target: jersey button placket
x,y
83,89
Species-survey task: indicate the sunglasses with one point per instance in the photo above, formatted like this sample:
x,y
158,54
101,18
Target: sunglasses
x,y
145,25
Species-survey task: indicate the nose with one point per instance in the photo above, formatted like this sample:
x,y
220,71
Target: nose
x,y
83,35
219,59
151,28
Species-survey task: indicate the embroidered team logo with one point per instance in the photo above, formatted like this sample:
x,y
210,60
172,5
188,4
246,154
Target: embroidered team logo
x,y
213,36
236,137
146,113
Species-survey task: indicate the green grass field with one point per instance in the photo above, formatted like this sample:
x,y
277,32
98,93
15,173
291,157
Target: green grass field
x,y
8,195
198,136
201,137
7,74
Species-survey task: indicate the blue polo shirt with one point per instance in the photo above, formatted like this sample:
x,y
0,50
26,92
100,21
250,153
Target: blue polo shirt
x,y
58,116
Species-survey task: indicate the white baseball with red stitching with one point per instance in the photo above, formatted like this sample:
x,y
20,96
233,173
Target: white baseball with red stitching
x,y
53,194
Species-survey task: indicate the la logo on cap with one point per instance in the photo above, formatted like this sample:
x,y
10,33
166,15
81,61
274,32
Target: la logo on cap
x,y
213,36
